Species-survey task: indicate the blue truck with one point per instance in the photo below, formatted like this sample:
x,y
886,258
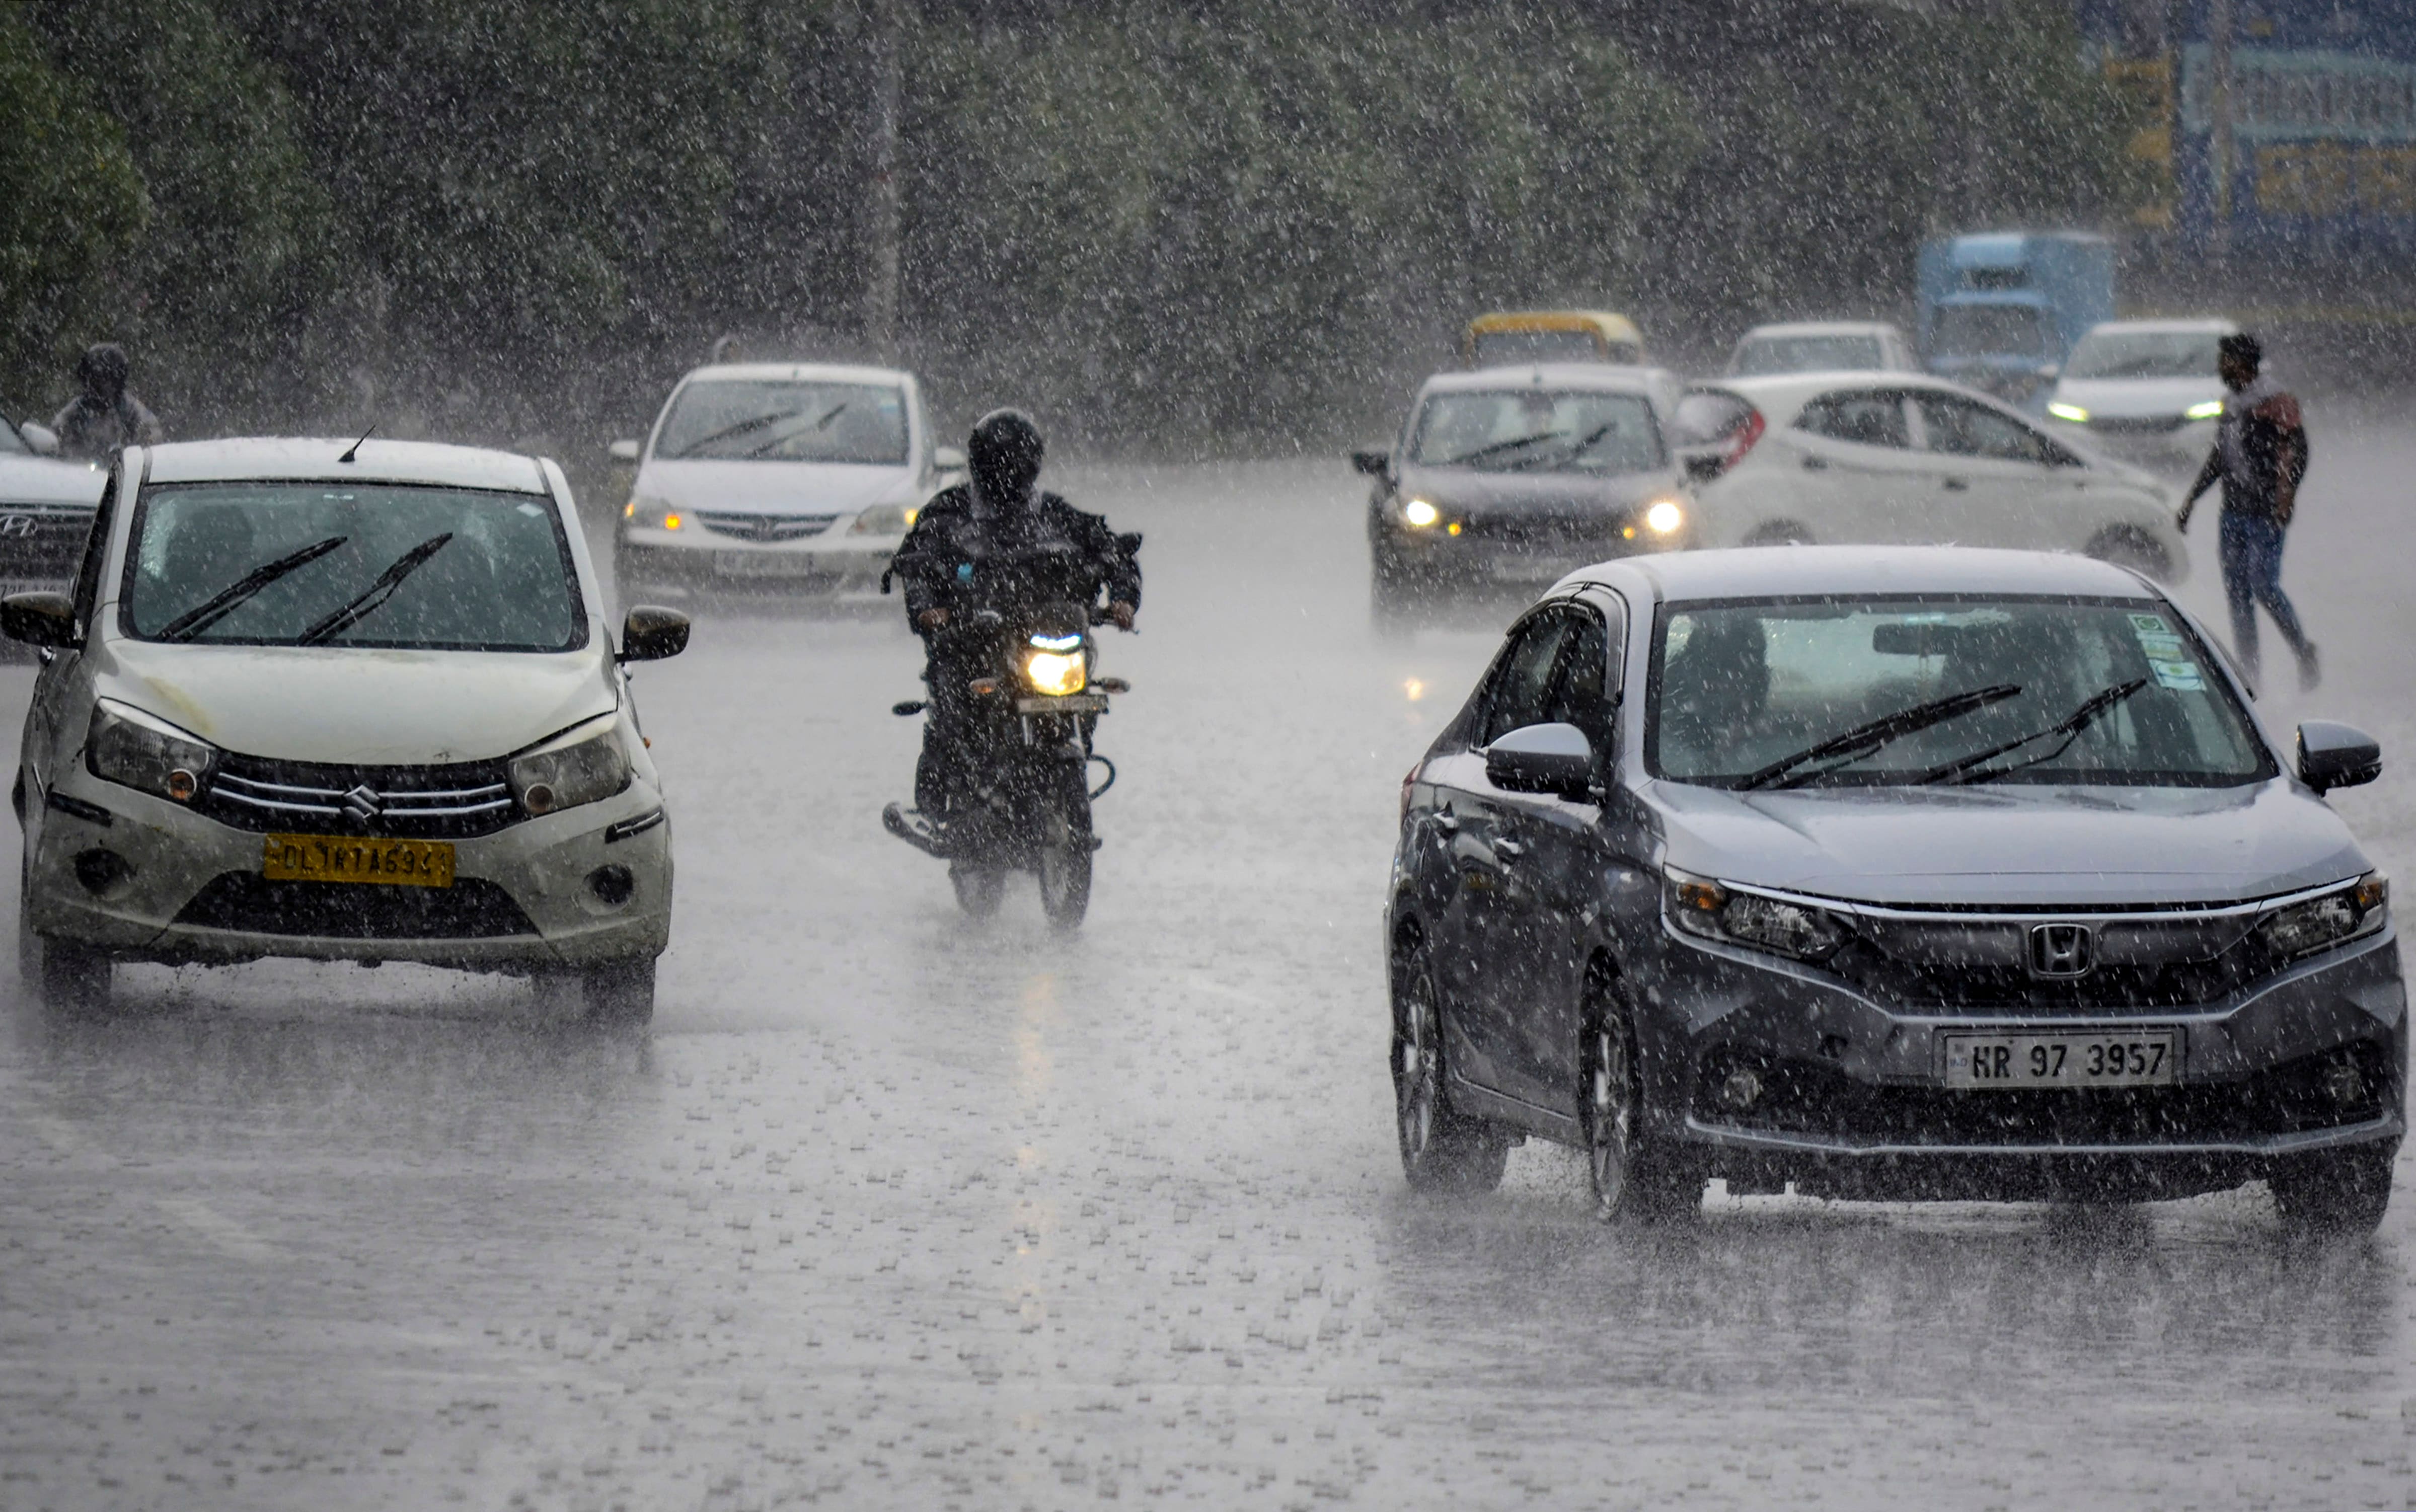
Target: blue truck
x,y
2001,311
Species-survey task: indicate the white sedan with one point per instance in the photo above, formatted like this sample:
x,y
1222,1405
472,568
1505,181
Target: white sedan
x,y
1853,457
790,478
341,704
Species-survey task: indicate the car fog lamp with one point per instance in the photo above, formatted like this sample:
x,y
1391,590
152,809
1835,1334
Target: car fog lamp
x,y
1420,514
1664,516
1452,529
1055,674
128,747
583,764
2345,1084
2358,909
2068,412
885,520
1740,1090
2210,409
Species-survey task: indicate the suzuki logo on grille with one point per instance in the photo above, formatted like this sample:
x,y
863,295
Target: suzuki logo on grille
x,y
2062,950
17,526
364,803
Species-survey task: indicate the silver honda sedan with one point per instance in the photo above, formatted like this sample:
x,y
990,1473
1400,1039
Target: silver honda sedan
x,y
1916,872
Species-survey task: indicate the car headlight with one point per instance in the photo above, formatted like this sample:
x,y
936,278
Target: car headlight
x,y
2359,909
1420,514
128,747
1702,906
1057,672
2068,412
886,519
2210,409
652,514
1664,516
582,764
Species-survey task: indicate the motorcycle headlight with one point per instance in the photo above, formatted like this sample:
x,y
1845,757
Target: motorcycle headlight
x,y
652,514
130,748
2359,909
886,519
1702,907
1056,673
581,765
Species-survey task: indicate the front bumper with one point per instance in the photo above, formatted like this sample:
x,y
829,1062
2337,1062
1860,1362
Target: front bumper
x,y
1853,1100
1472,557
2148,443
836,564
193,890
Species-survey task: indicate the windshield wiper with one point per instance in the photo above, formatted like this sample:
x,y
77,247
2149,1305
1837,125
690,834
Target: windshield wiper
x,y
1583,444
786,436
1862,739
1514,443
373,598
231,597
2069,727
739,430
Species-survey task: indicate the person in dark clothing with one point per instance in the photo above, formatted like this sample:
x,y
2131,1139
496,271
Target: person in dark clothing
x,y
104,419
994,542
2260,454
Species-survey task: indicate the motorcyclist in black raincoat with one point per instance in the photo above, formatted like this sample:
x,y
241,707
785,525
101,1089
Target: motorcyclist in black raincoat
x,y
994,542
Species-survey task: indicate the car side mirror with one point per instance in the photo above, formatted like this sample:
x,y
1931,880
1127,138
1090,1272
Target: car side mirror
x,y
1373,464
42,618
1542,758
2330,755
623,451
651,633
949,459
44,440
1703,466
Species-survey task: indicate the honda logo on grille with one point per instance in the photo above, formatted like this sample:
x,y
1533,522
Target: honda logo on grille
x,y
2062,950
364,803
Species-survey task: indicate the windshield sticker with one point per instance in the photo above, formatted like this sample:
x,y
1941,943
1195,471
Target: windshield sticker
x,y
2163,649
2150,625
2168,657
2181,676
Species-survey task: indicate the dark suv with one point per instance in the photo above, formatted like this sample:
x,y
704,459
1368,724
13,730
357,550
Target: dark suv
x,y
1913,873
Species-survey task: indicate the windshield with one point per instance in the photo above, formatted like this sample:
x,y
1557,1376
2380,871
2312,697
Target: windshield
x,y
1536,430
1805,353
2144,354
1739,687
786,420
200,558
1990,330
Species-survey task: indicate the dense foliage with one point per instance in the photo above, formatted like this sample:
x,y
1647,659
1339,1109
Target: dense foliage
x,y
1151,218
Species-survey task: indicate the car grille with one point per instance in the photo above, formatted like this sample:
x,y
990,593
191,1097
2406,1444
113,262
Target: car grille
x,y
747,527
1576,525
451,802
472,909
1981,966
2137,424
42,540
1818,1099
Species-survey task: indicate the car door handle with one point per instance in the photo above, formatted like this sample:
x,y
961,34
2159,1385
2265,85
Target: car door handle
x,y
1956,485
1816,464
1507,851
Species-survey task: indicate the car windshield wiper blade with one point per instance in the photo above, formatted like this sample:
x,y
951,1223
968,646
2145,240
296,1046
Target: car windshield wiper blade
x,y
785,436
757,423
1510,444
1572,452
373,598
1862,739
1963,768
231,597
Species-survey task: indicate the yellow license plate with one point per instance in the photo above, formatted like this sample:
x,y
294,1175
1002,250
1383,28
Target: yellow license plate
x,y
357,858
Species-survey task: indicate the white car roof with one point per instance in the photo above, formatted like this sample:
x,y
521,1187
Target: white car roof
x,y
832,372
1773,571
2205,326
1820,328
1779,395
244,459
1614,378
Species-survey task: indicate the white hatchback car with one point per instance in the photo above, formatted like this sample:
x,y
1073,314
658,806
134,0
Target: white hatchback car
x,y
788,478
1862,458
348,706
2145,390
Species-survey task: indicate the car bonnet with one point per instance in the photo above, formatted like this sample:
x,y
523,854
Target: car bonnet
x,y
775,487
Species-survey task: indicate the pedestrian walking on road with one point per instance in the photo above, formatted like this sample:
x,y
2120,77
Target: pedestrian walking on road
x,y
104,419
2260,454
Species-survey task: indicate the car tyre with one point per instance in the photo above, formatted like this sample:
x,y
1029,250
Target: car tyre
x,y
62,976
980,887
1442,1149
2126,546
1635,1177
620,995
2335,1194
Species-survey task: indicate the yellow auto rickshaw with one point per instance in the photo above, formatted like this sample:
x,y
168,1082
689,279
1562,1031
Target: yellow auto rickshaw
x,y
1510,336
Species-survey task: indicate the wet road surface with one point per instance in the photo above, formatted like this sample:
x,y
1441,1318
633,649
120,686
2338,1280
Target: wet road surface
x,y
892,1211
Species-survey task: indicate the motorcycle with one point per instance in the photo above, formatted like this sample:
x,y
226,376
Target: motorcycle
x,y
1034,712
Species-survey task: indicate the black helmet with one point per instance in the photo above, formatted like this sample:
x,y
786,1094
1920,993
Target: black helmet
x,y
1004,456
102,370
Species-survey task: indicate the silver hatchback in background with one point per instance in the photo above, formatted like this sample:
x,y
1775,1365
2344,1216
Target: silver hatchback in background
x,y
796,479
